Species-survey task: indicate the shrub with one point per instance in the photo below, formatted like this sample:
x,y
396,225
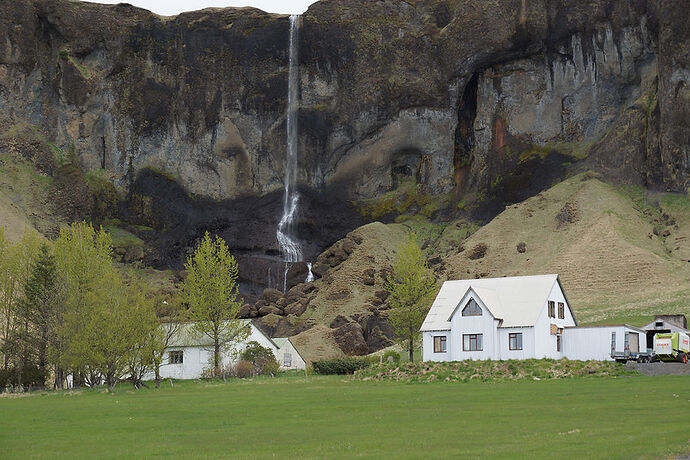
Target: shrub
x,y
341,366
391,354
31,376
244,369
262,359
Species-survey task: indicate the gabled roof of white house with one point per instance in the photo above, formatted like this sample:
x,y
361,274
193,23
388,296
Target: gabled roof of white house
x,y
515,300
186,336
281,341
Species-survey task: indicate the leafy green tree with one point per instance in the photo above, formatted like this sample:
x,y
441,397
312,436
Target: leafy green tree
x,y
84,260
263,360
212,293
144,326
40,311
15,266
412,287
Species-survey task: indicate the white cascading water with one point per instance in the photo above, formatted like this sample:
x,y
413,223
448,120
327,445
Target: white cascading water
x,y
289,245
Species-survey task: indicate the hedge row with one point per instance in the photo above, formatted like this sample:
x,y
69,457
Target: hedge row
x,y
341,366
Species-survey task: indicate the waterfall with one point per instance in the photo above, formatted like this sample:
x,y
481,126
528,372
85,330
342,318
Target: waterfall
x,y
289,244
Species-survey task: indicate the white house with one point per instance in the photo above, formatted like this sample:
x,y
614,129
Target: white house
x,y
189,354
518,317
497,318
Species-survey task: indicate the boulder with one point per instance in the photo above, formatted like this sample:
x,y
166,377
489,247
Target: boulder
x,y
350,339
245,311
271,295
319,269
270,309
348,246
368,277
295,293
296,274
522,247
297,309
434,260
356,237
280,326
338,256
340,320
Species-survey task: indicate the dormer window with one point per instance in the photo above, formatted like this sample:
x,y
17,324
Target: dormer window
x,y
472,309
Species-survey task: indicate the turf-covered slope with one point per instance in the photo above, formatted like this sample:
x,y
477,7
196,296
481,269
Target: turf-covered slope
x,y
621,254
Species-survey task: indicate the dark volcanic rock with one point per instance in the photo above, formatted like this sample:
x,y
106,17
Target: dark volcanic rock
x,y
350,339
368,277
319,269
521,247
492,99
296,274
271,295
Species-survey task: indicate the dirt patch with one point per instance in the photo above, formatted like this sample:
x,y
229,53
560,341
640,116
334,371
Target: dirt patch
x,y
477,252
659,368
567,215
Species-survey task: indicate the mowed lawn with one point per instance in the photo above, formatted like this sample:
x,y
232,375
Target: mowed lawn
x,y
626,417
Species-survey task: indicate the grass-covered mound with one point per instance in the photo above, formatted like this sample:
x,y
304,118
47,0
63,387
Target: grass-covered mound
x,y
465,371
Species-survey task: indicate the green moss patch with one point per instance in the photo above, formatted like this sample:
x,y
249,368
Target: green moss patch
x,y
465,371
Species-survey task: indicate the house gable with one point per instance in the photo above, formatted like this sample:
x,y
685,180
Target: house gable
x,y
471,294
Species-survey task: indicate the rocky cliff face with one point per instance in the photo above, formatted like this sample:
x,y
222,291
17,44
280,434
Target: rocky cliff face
x,y
493,102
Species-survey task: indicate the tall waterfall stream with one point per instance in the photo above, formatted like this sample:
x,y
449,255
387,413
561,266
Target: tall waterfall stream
x,y
289,243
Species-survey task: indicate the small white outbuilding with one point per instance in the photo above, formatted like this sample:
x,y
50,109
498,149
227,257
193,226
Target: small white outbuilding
x,y
189,354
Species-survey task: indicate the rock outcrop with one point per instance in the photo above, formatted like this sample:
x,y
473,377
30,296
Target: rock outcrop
x,y
494,100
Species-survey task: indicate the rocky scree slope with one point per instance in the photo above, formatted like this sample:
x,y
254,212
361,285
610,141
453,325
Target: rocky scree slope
x,y
490,104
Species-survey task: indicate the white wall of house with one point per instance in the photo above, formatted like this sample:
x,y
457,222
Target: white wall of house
x,y
544,340
504,351
197,358
485,324
289,358
594,342
428,353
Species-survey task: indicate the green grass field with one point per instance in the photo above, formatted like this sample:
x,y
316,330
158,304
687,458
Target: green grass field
x,y
626,417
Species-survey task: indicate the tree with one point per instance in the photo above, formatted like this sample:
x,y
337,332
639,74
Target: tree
x,y
15,266
40,310
412,287
263,360
144,328
212,293
83,257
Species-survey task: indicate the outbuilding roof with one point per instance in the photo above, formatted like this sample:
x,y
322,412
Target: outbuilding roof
x,y
515,300
186,336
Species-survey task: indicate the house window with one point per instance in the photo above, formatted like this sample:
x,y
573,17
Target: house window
x,y
472,342
552,309
613,342
515,341
287,359
176,357
559,343
472,309
561,310
440,344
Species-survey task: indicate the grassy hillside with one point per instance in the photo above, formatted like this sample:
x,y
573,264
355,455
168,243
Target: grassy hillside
x,y
607,244
334,417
